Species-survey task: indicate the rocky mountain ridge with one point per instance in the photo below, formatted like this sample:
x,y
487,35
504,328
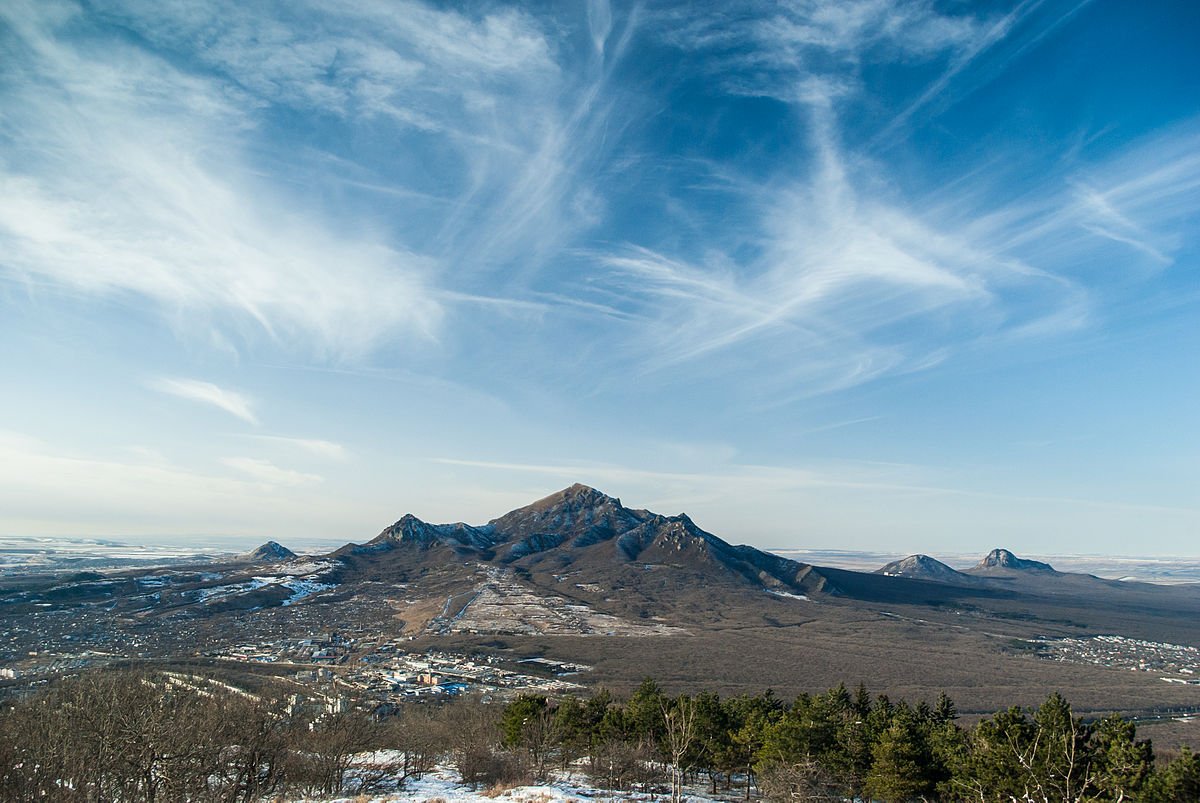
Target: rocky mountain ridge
x,y
582,527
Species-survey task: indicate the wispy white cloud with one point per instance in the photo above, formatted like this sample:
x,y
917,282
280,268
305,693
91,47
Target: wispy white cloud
x,y
168,181
197,390
731,480
722,479
1141,198
367,59
971,48
93,493
265,471
314,446
776,49
844,285
451,78
127,176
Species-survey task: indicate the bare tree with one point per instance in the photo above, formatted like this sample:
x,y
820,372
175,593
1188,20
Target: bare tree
x,y
679,718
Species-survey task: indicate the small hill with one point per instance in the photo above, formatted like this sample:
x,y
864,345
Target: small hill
x,y
270,552
1003,561
923,567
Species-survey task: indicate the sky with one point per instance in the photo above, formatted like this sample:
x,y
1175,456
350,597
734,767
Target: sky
x,y
895,275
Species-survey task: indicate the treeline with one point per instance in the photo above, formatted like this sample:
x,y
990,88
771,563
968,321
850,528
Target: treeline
x,y
128,736
140,736
841,746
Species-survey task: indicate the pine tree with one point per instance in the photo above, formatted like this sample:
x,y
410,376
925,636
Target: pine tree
x,y
1177,782
1121,764
897,773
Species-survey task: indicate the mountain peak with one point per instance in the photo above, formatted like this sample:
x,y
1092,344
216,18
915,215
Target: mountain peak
x,y
1003,559
410,529
576,511
578,493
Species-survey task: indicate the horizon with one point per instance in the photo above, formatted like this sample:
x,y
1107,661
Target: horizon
x,y
166,550
39,553
870,273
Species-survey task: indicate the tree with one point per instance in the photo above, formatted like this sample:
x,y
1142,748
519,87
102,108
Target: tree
x,y
573,729
899,770
944,709
679,732
1121,763
326,750
421,738
1177,782
644,714
712,736
751,720
1060,767
529,723
1010,756
804,780
994,765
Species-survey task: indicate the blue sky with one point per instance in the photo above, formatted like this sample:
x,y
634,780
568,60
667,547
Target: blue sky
x,y
873,274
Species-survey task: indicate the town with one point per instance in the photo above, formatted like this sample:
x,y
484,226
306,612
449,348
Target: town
x,y
1176,663
379,671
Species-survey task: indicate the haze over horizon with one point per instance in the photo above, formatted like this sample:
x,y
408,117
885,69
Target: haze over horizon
x,y
886,275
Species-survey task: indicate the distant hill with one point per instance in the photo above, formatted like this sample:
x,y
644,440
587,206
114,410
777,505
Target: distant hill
x,y
923,567
1002,561
270,552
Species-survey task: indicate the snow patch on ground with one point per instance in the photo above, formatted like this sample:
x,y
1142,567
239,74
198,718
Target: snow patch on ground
x,y
311,567
789,596
217,592
304,588
444,784
302,581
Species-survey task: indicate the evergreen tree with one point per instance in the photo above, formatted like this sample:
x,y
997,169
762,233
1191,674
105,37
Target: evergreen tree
x,y
712,736
1060,764
994,765
898,771
645,714
1177,782
944,709
1121,763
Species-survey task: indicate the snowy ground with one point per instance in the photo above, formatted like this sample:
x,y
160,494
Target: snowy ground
x,y
443,786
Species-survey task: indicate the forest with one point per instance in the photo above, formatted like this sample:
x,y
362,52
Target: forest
x,y
142,735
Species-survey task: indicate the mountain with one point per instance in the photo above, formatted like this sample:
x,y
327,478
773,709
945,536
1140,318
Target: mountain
x,y
410,530
580,529
580,577
923,567
270,552
1001,561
